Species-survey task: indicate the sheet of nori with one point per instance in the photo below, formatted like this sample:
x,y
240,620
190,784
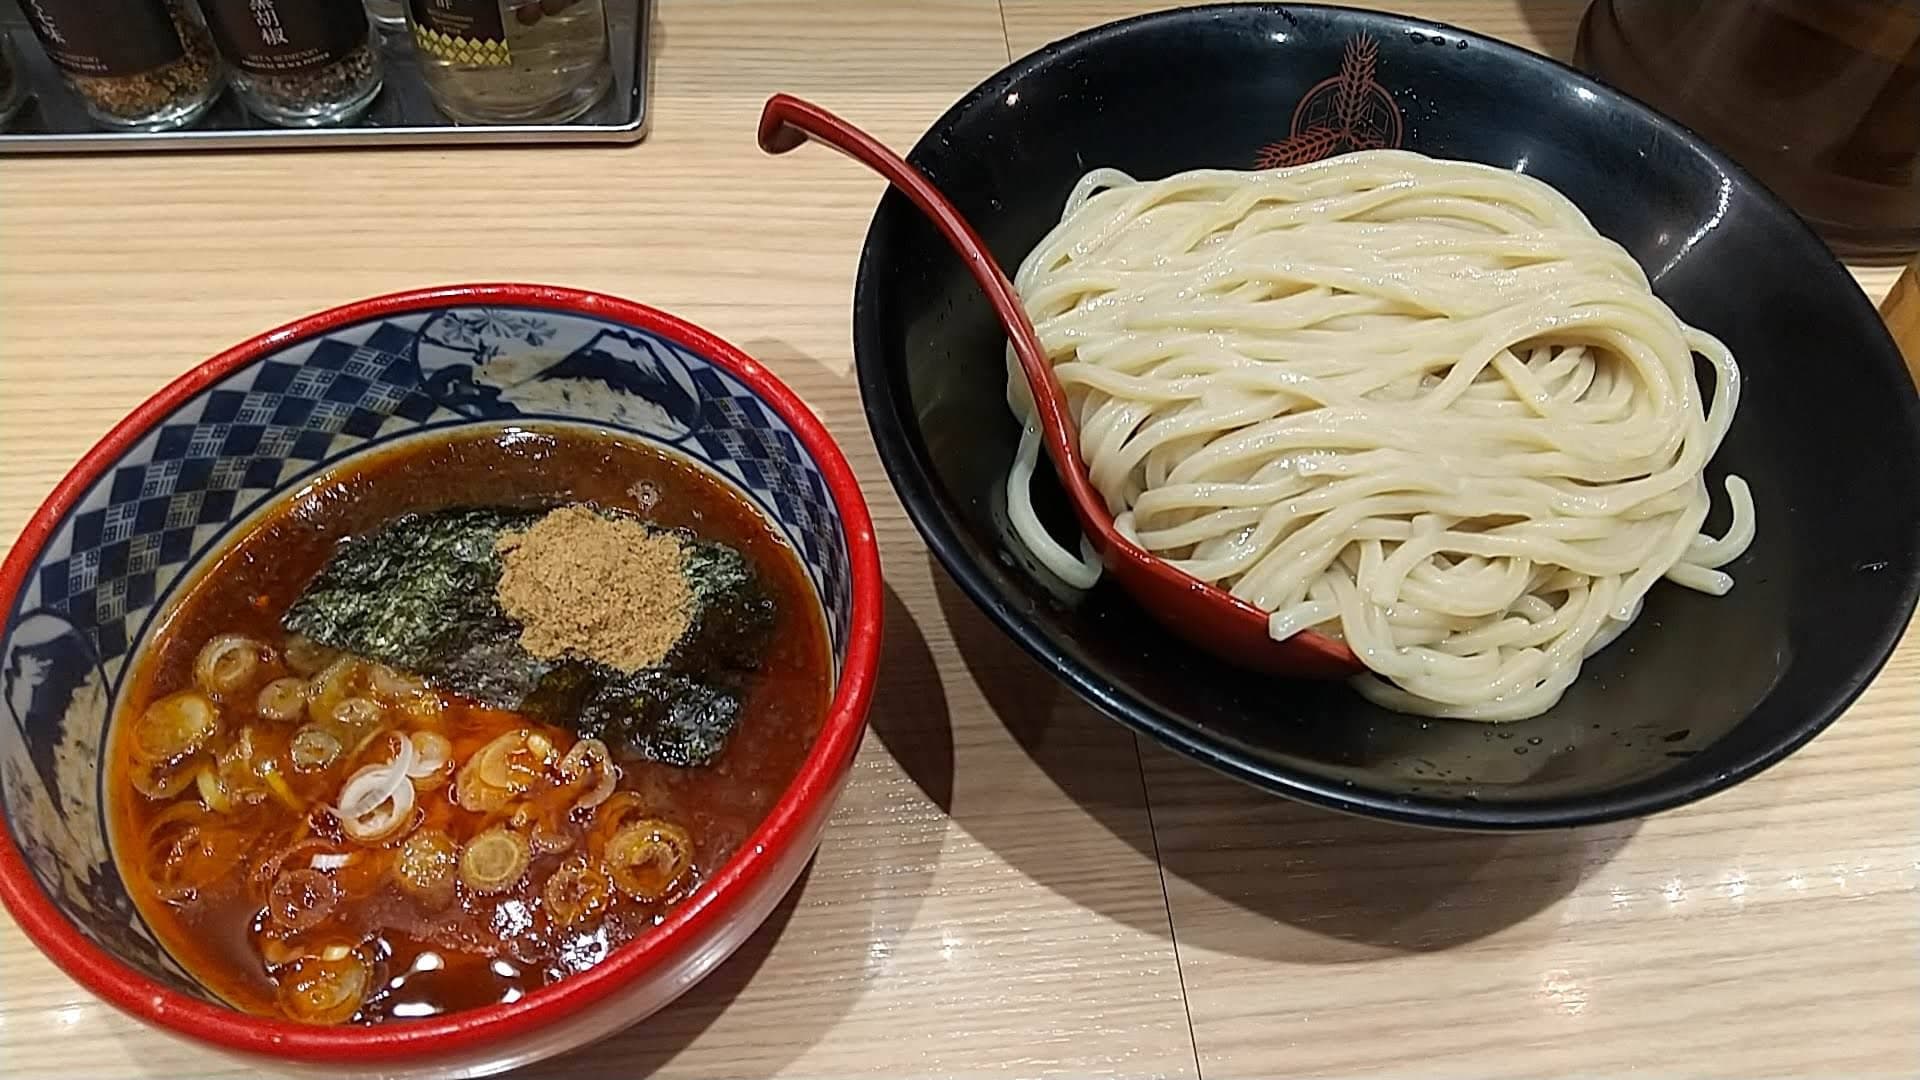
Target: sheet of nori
x,y
418,595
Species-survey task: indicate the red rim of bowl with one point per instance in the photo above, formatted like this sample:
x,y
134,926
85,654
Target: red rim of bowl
x,y
105,975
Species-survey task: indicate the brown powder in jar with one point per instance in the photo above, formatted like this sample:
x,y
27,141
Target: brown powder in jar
x,y
595,588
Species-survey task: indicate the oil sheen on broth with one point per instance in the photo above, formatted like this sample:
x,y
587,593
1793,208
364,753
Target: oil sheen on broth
x,y
526,852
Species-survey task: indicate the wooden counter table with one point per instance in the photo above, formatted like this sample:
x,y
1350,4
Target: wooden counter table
x,y
1013,885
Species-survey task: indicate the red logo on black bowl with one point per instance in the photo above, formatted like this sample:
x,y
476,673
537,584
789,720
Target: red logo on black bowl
x,y
1350,111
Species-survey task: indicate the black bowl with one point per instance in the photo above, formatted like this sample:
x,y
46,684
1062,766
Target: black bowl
x,y
1702,692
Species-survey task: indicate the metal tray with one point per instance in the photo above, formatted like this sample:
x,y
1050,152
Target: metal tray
x,y
53,119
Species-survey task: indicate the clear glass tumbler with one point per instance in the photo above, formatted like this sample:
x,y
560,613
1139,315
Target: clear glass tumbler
x,y
388,15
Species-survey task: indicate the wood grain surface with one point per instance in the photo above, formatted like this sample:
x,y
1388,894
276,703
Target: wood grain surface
x,y
1012,886
1901,309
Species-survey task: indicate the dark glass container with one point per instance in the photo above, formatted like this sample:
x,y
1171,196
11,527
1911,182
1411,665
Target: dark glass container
x,y
1819,98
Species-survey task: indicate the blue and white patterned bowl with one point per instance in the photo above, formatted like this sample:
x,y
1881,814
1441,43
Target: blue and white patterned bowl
x,y
167,488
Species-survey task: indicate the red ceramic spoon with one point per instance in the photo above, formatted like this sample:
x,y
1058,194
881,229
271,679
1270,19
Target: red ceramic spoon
x,y
1205,615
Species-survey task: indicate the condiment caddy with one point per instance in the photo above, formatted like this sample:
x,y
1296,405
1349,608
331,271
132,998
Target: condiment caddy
x,y
267,73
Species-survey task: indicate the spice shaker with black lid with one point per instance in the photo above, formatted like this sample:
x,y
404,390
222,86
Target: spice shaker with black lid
x,y
143,65
512,61
298,63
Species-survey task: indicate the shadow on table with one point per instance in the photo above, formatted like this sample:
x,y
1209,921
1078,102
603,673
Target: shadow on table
x,y
819,977
1324,887
913,722
1093,762
1255,875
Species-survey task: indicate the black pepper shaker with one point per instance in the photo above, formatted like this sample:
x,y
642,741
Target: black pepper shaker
x,y
142,65
299,63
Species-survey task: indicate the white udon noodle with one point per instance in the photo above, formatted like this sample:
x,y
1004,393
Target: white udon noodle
x,y
1419,405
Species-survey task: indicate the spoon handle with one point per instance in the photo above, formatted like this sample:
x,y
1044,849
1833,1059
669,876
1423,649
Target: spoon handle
x,y
788,122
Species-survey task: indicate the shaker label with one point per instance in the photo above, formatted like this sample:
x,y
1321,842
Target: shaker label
x,y
105,37
274,37
468,33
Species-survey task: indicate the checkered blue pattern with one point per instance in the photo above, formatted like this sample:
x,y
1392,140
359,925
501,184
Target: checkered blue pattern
x,y
739,429
214,461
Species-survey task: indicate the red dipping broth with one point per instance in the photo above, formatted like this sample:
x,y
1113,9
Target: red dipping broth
x,y
536,862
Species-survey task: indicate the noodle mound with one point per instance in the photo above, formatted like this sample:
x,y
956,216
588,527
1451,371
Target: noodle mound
x,y
1419,405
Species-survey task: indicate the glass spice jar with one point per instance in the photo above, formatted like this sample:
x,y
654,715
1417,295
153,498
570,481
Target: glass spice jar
x,y
388,14
512,61
298,63
140,65
13,87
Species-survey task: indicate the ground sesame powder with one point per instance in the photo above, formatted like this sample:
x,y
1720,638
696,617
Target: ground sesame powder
x,y
584,586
